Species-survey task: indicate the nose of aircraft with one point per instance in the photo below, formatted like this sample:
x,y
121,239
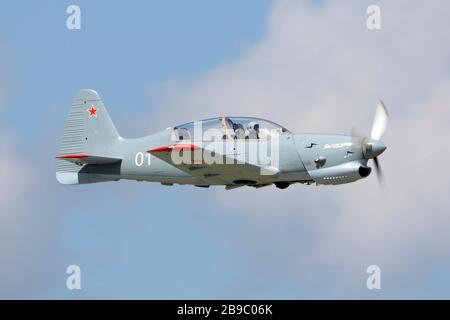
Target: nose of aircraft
x,y
378,147
374,148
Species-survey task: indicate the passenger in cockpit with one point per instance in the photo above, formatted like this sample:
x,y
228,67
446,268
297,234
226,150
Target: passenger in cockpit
x,y
253,130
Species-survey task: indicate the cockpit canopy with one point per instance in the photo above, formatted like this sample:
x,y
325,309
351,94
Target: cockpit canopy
x,y
228,128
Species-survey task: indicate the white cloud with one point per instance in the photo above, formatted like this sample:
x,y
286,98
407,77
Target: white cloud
x,y
18,225
29,212
20,237
26,233
320,69
13,171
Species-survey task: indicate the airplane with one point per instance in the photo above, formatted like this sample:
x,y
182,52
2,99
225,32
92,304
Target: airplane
x,y
224,151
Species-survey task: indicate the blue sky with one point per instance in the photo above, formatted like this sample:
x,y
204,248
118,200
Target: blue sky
x,y
146,242
125,48
309,65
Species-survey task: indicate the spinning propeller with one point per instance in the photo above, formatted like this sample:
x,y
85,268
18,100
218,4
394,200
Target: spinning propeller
x,y
372,147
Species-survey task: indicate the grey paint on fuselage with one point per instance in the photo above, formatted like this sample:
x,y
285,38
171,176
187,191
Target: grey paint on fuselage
x,y
91,151
296,158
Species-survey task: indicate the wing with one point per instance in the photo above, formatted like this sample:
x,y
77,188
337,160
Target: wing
x,y
211,167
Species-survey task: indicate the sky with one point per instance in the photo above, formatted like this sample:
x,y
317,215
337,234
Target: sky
x,y
312,66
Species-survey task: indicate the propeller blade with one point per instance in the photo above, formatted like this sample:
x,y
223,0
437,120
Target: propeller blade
x,y
357,136
378,170
380,121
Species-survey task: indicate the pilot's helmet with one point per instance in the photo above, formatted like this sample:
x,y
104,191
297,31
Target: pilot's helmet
x,y
253,125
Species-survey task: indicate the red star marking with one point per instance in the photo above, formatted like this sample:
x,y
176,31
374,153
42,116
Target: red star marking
x,y
92,112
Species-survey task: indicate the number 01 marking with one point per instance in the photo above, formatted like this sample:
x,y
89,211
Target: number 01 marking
x,y
140,157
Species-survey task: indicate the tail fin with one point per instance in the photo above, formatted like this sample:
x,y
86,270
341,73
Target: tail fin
x,y
87,139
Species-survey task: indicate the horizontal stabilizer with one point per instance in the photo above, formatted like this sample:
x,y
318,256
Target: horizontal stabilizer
x,y
88,159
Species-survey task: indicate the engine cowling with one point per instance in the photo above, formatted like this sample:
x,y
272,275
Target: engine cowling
x,y
340,174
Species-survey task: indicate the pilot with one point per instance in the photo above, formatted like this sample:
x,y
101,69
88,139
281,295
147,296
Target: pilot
x,y
227,131
239,131
253,130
